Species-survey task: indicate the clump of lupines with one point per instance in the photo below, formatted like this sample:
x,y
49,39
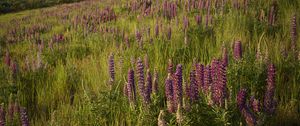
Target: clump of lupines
x,y
237,50
246,113
2,116
24,117
148,87
269,103
294,34
169,92
169,9
111,65
140,74
131,86
178,85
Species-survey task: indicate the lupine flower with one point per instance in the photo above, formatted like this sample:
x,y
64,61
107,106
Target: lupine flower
x,y
246,113
24,117
141,79
178,84
7,59
193,86
207,79
185,23
237,50
224,56
219,85
269,103
200,75
169,92
2,116
198,19
160,120
272,13
255,104
294,33
131,86
155,82
111,65
148,88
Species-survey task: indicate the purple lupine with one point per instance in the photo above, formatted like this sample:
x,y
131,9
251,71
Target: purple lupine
x,y
185,23
269,103
140,74
131,86
214,70
169,34
294,33
237,50
148,87
198,19
193,86
24,117
207,79
155,82
178,84
169,92
7,59
246,113
224,56
111,66
2,116
219,85
138,36
254,104
272,14
200,76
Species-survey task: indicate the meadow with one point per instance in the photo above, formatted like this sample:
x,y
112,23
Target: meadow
x,y
152,62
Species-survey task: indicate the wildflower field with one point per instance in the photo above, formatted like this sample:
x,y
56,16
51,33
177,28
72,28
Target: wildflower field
x,y
152,62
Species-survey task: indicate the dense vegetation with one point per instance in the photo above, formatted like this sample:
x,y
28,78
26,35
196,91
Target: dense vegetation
x,y
18,5
180,62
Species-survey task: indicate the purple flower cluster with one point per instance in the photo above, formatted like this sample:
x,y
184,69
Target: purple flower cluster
x,y
237,50
198,19
269,103
219,82
169,92
207,79
200,76
193,86
131,86
178,85
245,111
140,74
24,117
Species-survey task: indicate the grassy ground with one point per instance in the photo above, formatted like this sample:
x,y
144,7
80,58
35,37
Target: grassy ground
x,y
78,65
